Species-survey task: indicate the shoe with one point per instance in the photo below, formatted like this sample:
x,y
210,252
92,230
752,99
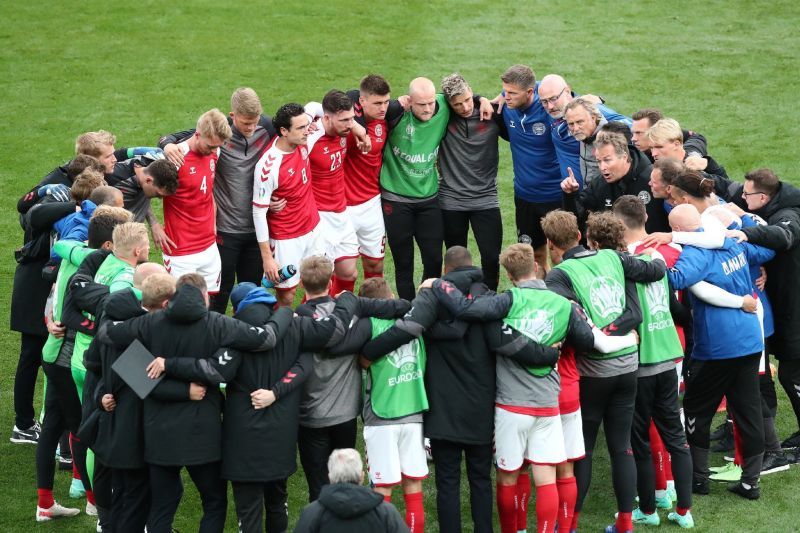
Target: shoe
x,y
76,489
428,452
732,473
639,517
792,455
91,509
56,511
774,462
724,444
672,493
722,430
700,487
613,529
26,436
728,458
792,441
99,528
664,503
753,493
64,459
685,521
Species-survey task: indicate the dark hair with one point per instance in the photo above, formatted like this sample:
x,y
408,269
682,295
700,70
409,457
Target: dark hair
x,y
284,115
694,183
81,163
164,174
631,211
616,126
652,114
101,228
374,84
670,169
457,256
606,230
764,180
335,101
104,195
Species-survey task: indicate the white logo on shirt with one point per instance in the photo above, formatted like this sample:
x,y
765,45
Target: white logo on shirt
x,y
607,296
644,196
537,325
378,130
656,296
192,170
410,130
539,128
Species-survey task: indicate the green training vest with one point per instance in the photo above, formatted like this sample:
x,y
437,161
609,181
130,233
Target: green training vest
x,y
599,282
540,315
397,379
65,271
658,338
409,158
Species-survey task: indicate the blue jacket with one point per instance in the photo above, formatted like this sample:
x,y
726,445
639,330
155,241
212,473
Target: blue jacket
x,y
74,227
537,177
755,273
721,333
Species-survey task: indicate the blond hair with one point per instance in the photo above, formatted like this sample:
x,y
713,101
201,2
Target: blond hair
x,y
92,142
213,123
156,289
561,228
664,131
117,213
315,273
518,260
128,236
245,101
590,108
85,182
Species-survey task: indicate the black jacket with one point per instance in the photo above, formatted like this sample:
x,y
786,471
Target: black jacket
x,y
349,508
783,273
600,195
188,432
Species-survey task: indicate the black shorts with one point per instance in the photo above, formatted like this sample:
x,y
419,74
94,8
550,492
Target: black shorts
x,y
529,219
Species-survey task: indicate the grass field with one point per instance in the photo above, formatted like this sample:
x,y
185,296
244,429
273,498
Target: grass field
x,y
146,68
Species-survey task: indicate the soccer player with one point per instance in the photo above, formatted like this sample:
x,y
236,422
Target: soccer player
x,y
156,180
287,236
189,214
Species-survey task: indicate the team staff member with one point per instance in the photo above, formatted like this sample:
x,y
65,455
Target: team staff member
x,y
251,132
155,180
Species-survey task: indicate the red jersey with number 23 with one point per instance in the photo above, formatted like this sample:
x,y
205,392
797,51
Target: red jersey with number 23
x,y
287,176
327,170
189,214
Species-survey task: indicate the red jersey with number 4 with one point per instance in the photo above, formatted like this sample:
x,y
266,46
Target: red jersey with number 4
x,y
287,176
189,214
362,171
327,170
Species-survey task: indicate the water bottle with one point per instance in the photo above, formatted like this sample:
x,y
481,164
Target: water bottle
x,y
283,274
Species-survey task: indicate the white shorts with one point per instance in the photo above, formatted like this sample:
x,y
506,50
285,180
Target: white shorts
x,y
206,263
293,251
572,427
519,438
367,220
338,235
394,452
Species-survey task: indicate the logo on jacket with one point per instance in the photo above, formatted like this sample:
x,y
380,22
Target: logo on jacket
x,y
538,128
378,130
538,325
656,296
404,357
607,296
410,130
644,196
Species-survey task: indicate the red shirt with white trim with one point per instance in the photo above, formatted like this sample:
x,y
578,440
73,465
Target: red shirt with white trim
x,y
327,170
362,171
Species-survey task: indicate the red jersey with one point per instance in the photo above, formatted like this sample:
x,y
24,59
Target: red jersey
x,y
189,217
288,176
362,171
569,397
327,170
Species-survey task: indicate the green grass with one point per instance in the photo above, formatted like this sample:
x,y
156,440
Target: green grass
x,y
726,69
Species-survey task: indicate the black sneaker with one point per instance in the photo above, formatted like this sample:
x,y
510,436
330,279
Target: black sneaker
x,y
792,455
26,436
725,444
722,430
753,493
774,462
793,441
700,486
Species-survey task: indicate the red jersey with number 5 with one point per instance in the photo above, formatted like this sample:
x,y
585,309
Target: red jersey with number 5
x,y
189,214
287,176
327,170
362,171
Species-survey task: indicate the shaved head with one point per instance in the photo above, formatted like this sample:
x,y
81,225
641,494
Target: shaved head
x,y
552,81
421,86
146,270
422,93
684,217
554,94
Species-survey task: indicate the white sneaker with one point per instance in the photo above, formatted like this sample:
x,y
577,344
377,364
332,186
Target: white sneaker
x,y
56,511
99,528
91,509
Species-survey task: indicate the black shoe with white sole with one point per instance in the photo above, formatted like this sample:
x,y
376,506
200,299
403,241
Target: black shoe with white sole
x,y
26,436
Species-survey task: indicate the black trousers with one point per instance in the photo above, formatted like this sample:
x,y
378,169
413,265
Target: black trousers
x,y
789,378
609,401
657,399
737,380
487,226
528,217
166,491
316,446
241,261
252,499
30,358
131,499
447,459
406,222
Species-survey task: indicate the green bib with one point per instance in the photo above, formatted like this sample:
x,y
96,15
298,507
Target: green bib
x,y
409,158
65,271
397,379
599,282
658,338
540,315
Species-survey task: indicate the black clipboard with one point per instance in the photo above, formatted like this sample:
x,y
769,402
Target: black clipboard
x,y
130,366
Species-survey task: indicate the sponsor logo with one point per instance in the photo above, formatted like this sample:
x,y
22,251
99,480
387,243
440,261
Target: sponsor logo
x,y
325,150
607,296
378,130
511,124
410,130
538,128
291,171
644,196
342,141
192,170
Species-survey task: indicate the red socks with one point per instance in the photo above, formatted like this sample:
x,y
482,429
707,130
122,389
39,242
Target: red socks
x,y
523,496
546,508
45,498
338,285
368,275
737,446
624,522
387,498
574,524
507,508
415,512
567,496
659,454
90,497
681,511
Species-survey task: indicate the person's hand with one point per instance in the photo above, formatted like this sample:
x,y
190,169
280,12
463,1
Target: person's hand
x,y
174,154
58,191
695,162
570,184
364,362
487,111
427,284
271,269
656,239
56,328
749,304
277,204
737,235
160,238
404,101
156,367
262,398
197,392
635,335
735,209
761,281
108,402
499,101
313,126
557,345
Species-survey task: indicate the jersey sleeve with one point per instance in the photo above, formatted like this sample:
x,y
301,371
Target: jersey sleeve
x,y
265,181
